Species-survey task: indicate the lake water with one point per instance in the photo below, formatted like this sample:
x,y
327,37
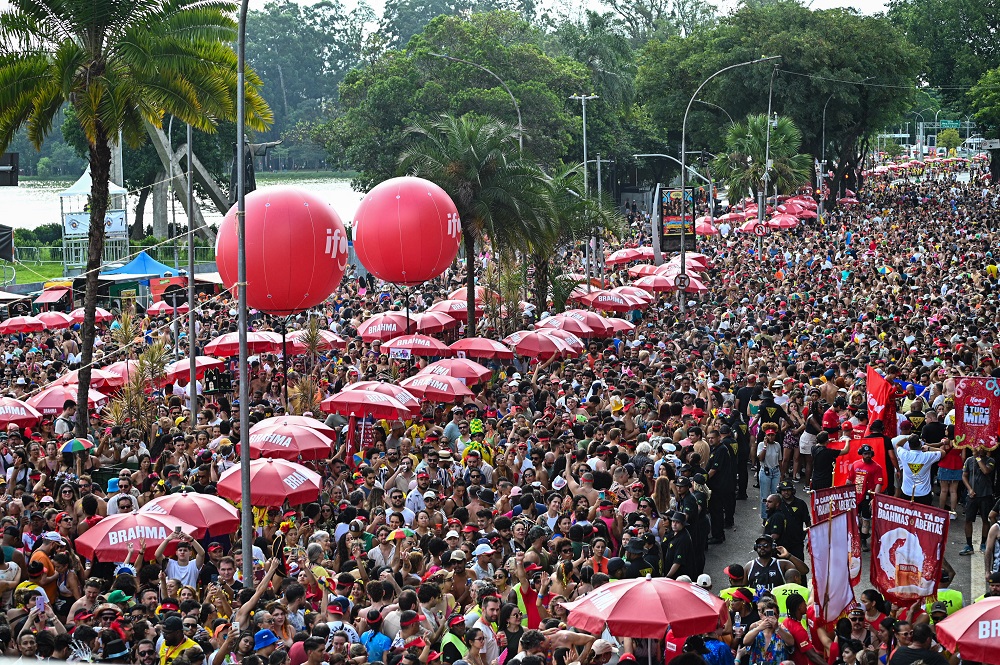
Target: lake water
x,y
36,202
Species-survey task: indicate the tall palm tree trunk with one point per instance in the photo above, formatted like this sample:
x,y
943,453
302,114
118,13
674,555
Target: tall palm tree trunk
x,y
541,281
470,281
100,171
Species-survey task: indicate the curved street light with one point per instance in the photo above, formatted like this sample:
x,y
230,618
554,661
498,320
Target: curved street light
x,y
517,108
716,106
684,150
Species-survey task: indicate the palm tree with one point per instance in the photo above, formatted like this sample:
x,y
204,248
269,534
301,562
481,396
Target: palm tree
x,y
500,196
118,64
574,217
741,166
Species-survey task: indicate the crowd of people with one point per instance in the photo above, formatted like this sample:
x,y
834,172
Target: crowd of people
x,y
459,535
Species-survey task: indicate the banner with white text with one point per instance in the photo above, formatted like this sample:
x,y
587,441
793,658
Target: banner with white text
x,y
907,548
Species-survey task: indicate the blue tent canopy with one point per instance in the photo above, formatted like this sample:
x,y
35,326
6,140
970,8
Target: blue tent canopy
x,y
143,264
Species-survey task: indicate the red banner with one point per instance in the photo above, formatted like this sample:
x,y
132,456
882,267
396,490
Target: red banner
x,y
842,474
908,541
881,398
977,412
834,501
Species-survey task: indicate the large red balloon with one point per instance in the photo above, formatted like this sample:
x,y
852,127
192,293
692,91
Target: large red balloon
x,y
296,250
407,231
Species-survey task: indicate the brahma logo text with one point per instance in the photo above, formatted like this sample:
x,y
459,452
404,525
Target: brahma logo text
x,y
137,533
382,327
988,629
295,480
276,439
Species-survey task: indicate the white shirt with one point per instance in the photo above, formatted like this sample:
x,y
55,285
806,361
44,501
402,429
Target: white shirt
x,y
916,466
188,575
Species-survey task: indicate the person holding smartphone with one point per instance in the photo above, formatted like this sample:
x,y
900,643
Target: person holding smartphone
x,y
181,567
767,640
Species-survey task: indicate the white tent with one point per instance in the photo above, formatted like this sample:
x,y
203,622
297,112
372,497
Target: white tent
x,y
82,187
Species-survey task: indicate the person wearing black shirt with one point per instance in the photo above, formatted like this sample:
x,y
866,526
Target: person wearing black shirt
x,y
771,412
775,522
824,459
746,394
720,468
739,437
797,520
637,565
919,649
679,550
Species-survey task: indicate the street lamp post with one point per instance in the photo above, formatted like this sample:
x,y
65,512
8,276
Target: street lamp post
x,y
822,160
762,195
920,133
193,370
716,106
583,99
684,146
246,511
517,108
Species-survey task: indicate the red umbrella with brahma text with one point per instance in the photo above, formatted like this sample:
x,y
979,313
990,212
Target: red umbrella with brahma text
x,y
436,388
16,412
482,347
385,326
205,512
109,539
272,483
973,632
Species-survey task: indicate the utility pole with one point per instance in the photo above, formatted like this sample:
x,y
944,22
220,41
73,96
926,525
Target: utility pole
x,y
583,99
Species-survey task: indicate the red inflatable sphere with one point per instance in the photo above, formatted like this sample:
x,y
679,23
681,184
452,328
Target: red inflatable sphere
x,y
296,250
407,231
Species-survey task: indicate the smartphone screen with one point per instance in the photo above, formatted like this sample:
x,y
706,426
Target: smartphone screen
x,y
40,604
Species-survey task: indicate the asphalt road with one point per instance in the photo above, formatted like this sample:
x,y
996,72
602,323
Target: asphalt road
x,y
738,548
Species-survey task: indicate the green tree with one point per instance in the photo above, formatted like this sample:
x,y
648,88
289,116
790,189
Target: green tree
x,y
957,38
120,64
742,166
823,53
949,139
500,195
399,89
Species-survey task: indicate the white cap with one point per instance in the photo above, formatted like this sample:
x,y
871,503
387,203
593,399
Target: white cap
x,y
452,534
683,578
483,549
558,483
704,581
602,647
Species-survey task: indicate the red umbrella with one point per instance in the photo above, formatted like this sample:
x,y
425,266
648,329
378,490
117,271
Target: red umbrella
x,y
435,322
482,347
228,345
328,339
633,292
385,326
100,315
655,283
572,341
705,229
562,322
456,309
748,226
272,482
971,633
807,214
55,320
109,539
21,324
289,442
401,395
599,324
536,344
204,512
301,421
17,412
126,369
365,403
731,217
159,308
609,301
645,252
621,325
848,201
482,294
642,270
99,378
52,398
704,219
181,369
783,222
461,368
418,345
436,388
626,255
647,607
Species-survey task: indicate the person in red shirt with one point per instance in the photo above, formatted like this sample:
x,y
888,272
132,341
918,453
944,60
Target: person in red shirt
x,y
869,479
805,652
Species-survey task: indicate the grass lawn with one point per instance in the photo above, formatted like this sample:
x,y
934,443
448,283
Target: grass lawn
x,y
37,272
268,177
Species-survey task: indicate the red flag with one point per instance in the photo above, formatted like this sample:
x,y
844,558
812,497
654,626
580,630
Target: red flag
x,y
829,556
907,548
831,502
881,398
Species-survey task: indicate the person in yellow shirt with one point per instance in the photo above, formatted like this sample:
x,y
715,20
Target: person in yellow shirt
x,y
174,640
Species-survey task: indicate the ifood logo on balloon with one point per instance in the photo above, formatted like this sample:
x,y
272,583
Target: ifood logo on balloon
x,y
336,243
454,224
